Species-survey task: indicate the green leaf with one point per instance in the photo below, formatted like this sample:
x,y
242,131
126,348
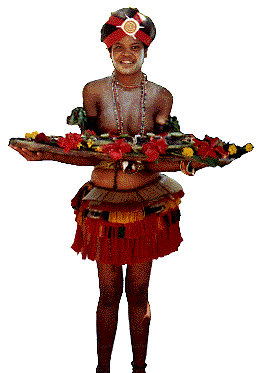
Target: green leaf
x,y
173,124
213,162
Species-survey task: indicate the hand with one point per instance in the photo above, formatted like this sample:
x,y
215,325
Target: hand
x,y
33,156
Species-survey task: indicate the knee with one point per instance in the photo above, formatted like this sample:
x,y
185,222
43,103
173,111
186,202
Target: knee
x,y
110,296
137,294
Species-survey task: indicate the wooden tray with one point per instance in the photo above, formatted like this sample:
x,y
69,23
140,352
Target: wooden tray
x,y
91,155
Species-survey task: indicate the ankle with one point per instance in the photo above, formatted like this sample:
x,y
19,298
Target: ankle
x,y
138,368
102,369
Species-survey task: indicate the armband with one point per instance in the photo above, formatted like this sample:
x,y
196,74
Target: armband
x,y
171,125
187,168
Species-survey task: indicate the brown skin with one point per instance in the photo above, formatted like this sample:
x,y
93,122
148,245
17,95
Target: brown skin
x,y
97,101
127,56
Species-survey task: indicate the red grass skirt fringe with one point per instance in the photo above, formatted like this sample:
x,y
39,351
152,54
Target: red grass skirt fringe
x,y
129,232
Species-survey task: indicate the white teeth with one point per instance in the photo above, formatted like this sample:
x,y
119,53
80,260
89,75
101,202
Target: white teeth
x,y
126,62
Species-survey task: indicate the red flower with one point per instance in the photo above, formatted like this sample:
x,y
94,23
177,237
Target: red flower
x,y
41,137
152,154
117,149
222,151
206,150
90,132
213,141
70,141
209,148
154,148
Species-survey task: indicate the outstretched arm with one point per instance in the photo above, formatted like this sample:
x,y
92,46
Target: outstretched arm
x,y
90,100
63,158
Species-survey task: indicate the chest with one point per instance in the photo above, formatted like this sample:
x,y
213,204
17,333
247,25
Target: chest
x,y
129,106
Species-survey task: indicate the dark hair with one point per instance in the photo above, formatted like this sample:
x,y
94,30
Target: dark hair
x,y
148,26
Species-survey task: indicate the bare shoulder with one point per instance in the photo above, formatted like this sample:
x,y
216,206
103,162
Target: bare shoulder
x,y
161,96
96,86
159,90
92,93
163,101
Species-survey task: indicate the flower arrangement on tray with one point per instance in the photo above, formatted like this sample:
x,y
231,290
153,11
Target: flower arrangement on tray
x,y
211,151
170,143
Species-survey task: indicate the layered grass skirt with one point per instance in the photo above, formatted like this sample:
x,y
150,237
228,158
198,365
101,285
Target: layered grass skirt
x,y
127,227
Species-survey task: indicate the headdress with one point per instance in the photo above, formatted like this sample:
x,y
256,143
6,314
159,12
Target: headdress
x,y
128,21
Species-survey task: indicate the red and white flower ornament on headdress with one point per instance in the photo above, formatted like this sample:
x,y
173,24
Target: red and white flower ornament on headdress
x,y
129,26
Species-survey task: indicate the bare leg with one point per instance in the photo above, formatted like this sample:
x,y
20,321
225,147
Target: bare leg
x,y
111,289
136,286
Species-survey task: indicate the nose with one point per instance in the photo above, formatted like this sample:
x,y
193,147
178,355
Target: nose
x,y
127,52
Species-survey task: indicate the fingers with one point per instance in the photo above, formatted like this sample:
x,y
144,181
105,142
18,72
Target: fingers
x,y
28,155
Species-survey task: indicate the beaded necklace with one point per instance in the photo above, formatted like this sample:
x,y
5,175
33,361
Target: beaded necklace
x,y
117,106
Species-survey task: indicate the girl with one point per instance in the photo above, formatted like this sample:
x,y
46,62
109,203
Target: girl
x,y
127,213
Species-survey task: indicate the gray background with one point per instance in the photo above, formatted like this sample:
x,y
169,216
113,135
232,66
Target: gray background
x,y
203,297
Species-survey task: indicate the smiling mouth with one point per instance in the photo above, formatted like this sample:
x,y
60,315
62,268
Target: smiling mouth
x,y
126,62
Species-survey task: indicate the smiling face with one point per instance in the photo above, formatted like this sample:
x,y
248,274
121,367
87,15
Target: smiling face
x,y
128,55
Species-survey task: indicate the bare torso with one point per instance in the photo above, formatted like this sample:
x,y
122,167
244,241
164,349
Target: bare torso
x,y
98,101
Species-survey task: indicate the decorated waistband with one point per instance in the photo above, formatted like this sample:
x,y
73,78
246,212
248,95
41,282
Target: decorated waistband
x,y
133,215
128,167
161,187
